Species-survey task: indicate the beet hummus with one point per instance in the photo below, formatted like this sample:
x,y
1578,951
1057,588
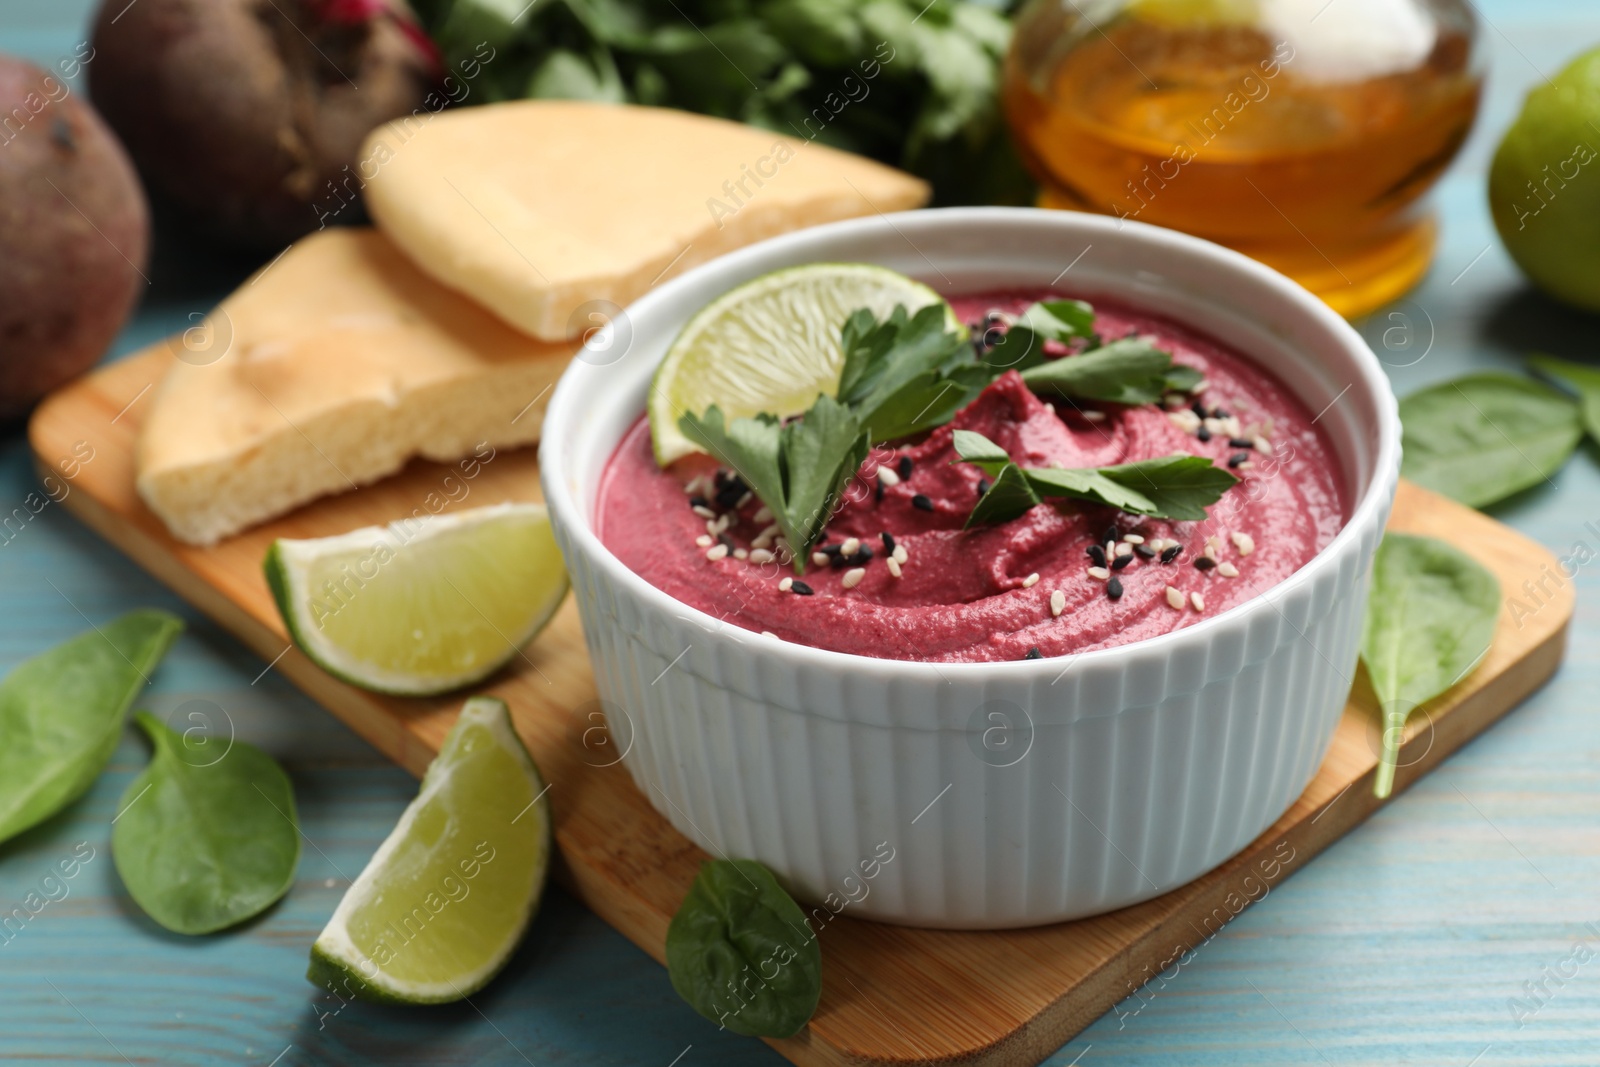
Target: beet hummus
x,y
903,580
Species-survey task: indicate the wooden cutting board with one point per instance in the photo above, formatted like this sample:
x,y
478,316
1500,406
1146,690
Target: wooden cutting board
x,y
890,995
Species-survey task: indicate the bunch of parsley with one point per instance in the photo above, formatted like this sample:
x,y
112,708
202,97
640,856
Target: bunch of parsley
x,y
911,83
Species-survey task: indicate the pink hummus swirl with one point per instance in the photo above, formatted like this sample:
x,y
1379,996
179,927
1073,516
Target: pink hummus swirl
x,y
990,593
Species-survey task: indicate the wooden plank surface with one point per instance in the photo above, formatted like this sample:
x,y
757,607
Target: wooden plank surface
x,y
982,998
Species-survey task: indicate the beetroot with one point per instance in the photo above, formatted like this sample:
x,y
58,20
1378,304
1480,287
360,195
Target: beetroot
x,y
74,235
245,113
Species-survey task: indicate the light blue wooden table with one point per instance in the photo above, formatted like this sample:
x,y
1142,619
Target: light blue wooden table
x,y
1404,943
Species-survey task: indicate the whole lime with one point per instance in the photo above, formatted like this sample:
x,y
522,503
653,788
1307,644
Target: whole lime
x,y
1544,185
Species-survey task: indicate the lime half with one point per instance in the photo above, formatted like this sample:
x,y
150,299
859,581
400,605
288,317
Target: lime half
x,y
448,895
770,345
424,605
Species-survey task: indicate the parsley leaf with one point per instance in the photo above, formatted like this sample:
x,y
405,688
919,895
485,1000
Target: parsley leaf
x,y
797,469
1131,370
1169,487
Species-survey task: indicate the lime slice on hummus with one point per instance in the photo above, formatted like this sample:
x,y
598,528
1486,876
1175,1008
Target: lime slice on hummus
x,y
772,344
447,896
422,605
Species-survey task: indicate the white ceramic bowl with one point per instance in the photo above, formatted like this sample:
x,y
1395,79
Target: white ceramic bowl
x,y
1011,793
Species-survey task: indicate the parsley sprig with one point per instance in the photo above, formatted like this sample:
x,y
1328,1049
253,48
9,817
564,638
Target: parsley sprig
x,y
912,372
1170,487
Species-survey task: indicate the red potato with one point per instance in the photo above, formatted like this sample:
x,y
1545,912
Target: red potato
x,y
245,113
74,235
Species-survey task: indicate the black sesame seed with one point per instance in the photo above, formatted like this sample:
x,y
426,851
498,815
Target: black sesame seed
x,y
888,541
1121,562
983,486
840,561
1097,555
1203,434
1220,413
1034,653
863,556
699,502
1198,408
1237,458
877,494
1110,534
1240,442
1114,588
903,468
1170,553
830,550
1204,563
724,539
800,587
921,503
1144,551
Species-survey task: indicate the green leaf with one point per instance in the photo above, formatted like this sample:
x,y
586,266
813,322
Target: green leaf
x,y
1430,617
1059,320
1177,487
740,953
1131,370
904,375
1585,381
820,451
565,75
204,843
1173,487
1011,495
1480,438
750,446
61,713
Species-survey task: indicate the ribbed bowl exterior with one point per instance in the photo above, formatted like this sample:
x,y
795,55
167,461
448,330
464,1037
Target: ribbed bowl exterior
x,y
1007,794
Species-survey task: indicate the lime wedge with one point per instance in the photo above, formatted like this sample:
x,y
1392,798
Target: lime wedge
x,y
421,606
447,896
770,345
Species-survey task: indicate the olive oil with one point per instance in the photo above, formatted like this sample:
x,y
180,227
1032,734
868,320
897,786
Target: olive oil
x,y
1308,159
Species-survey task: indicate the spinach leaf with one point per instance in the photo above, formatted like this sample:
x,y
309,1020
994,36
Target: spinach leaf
x,y
1480,438
1585,381
203,845
61,713
1430,618
740,952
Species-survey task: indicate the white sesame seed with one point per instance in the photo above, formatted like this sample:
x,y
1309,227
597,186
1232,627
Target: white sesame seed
x,y
1198,601
888,477
769,633
1175,401
1199,387
764,515
697,483
722,525
1185,420
1213,426
1133,539
893,565
1244,543
1227,570
1095,416
764,538
1124,550
1030,580
1231,427
1051,406
1210,552
1099,574
1263,446
851,546
704,540
786,585
703,511
761,555
1245,466
899,555
820,559
741,553
743,500
1175,598
716,552
853,576
1111,549
1058,602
